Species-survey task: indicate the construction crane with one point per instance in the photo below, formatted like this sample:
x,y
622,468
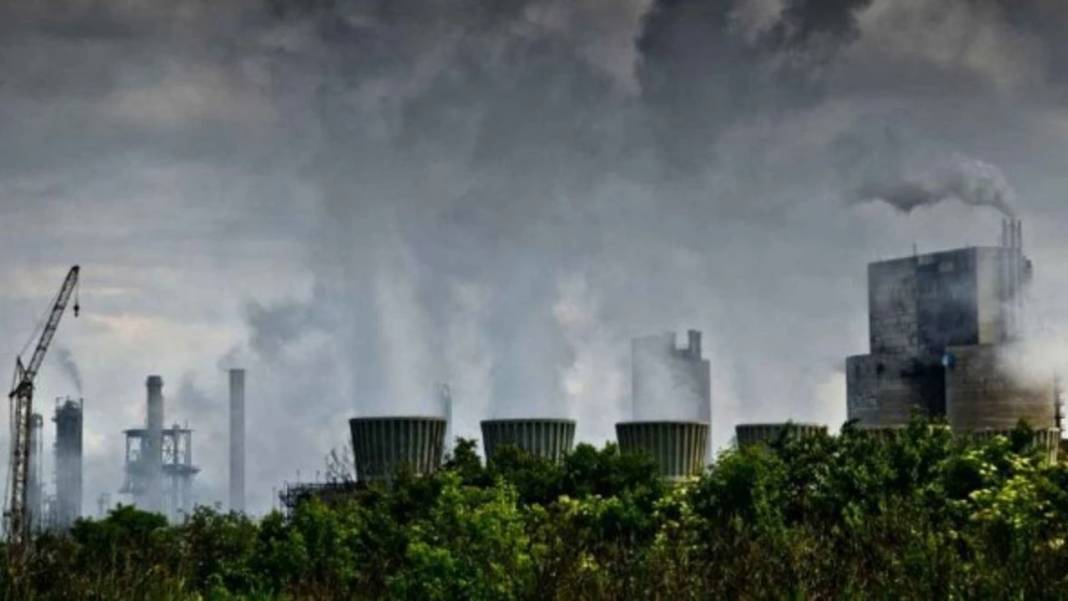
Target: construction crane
x,y
17,515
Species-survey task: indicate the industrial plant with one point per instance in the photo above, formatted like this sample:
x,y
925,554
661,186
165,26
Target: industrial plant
x,y
945,335
159,461
945,332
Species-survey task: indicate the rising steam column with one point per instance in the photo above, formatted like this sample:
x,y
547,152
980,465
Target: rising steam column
x,y
672,404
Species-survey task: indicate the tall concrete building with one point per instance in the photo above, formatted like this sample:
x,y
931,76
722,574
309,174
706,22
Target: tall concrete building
x,y
68,420
943,329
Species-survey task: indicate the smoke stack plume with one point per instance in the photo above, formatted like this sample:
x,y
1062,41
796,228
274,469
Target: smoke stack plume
x,y
66,361
965,179
237,440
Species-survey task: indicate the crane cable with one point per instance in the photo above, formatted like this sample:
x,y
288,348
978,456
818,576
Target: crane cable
x,y
37,329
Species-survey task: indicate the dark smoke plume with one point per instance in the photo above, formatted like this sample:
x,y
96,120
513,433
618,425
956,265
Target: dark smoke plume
x,y
964,179
65,359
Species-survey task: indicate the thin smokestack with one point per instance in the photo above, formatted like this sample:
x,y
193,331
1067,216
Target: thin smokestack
x,y
153,452
237,440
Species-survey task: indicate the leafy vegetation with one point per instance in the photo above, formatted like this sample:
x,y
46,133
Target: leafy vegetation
x,y
920,514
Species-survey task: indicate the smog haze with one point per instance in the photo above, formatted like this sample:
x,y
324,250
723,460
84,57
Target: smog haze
x,y
357,201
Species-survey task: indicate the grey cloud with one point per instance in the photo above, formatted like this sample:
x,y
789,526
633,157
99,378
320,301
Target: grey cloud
x,y
965,179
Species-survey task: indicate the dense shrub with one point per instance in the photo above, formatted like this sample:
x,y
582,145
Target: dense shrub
x,y
920,514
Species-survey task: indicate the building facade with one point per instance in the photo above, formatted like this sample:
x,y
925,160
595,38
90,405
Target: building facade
x,y
944,332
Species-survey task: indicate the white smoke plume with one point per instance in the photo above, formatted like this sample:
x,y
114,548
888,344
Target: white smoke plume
x,y
967,180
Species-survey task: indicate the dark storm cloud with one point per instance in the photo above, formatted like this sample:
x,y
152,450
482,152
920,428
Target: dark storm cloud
x,y
703,69
804,22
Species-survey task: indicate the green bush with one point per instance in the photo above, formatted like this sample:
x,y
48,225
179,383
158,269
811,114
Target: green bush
x,y
920,514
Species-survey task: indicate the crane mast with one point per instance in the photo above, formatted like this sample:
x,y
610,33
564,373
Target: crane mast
x,y
17,513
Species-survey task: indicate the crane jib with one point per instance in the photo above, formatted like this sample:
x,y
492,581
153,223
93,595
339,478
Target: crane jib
x,y
22,404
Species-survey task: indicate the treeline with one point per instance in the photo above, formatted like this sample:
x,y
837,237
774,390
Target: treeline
x,y
919,515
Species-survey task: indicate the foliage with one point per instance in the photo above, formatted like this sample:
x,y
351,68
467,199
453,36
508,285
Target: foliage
x,y
919,513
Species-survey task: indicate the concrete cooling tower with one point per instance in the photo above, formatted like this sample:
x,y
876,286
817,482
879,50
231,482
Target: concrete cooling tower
x,y
384,446
750,434
545,438
678,447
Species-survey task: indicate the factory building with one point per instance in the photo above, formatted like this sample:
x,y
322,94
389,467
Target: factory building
x,y
944,329
68,450
159,461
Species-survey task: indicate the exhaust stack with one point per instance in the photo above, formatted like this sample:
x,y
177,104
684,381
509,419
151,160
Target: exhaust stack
x,y
237,440
153,449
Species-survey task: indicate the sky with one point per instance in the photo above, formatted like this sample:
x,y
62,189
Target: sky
x,y
358,200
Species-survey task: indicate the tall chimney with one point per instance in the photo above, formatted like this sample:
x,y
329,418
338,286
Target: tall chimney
x,y
152,455
237,440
